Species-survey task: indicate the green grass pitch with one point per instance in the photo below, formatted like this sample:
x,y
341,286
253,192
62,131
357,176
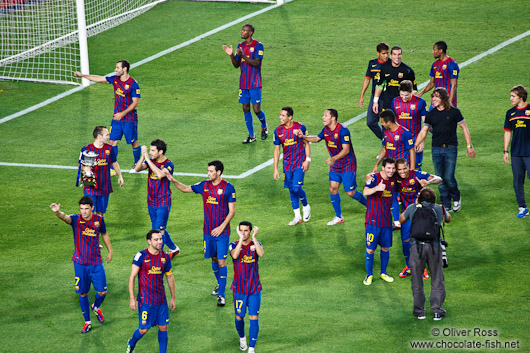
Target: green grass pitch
x,y
313,299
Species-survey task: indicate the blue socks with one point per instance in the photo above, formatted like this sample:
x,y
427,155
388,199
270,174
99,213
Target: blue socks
x,y
240,327
137,336
300,193
406,251
137,152
253,333
248,122
385,256
99,300
369,263
223,273
261,117
360,197
162,341
335,202
215,269
85,307
295,203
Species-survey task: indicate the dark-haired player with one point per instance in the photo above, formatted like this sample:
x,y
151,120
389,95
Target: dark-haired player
x,y
88,265
342,162
158,189
219,201
379,191
246,285
444,72
126,99
103,187
373,73
150,266
248,56
296,159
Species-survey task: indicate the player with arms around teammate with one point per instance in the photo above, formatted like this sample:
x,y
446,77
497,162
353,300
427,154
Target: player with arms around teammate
x,y
373,73
126,98
518,122
248,56
100,191
158,189
88,265
296,159
342,162
379,191
150,265
246,286
219,202
444,72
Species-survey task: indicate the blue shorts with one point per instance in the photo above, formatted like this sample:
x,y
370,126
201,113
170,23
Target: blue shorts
x,y
119,128
378,236
405,231
216,246
241,301
100,203
87,274
152,315
250,96
348,180
293,178
159,216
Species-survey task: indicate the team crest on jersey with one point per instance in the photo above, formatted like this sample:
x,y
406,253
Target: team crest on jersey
x,y
412,182
444,67
396,137
413,106
163,260
253,248
96,224
336,136
126,87
107,152
400,75
220,192
527,112
251,49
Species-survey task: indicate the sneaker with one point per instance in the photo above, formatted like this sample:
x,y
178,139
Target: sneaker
x,y
251,350
98,313
457,205
243,343
523,212
397,225
133,170
215,292
425,274
264,133
437,317
295,221
306,212
421,317
220,301
130,349
368,280
405,272
87,327
335,220
249,139
173,253
112,172
387,278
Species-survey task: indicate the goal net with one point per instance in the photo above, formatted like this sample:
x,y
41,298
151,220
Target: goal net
x,y
45,41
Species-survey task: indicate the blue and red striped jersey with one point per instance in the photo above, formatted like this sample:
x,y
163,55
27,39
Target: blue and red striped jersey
x,y
409,114
105,159
378,204
334,141
246,274
293,147
151,276
398,143
215,199
410,187
124,92
373,72
443,72
250,75
518,121
86,239
158,190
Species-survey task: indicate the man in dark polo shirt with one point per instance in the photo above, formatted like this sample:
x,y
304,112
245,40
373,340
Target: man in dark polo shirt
x,y
443,120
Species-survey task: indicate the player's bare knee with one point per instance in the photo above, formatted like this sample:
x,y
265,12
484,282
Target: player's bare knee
x,y
162,327
113,143
214,259
221,263
246,108
369,251
103,293
83,294
253,317
385,249
239,318
350,193
143,331
136,144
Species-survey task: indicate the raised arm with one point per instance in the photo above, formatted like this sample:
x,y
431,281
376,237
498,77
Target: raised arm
x,y
259,248
60,214
93,78
230,51
178,184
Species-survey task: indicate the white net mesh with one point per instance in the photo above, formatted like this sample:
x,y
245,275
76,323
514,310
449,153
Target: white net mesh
x,y
39,38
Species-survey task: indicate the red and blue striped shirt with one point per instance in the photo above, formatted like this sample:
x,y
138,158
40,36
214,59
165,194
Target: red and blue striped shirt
x,y
158,190
443,72
293,146
398,143
250,75
410,187
409,114
105,159
215,199
124,92
151,276
378,204
246,274
334,141
86,239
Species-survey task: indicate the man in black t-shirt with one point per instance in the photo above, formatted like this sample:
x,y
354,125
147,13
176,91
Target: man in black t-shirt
x,y
393,72
443,120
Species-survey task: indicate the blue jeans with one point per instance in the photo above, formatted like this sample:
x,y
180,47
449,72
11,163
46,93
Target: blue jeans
x,y
444,160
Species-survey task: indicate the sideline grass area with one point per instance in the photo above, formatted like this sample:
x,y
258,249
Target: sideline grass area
x,y
313,300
